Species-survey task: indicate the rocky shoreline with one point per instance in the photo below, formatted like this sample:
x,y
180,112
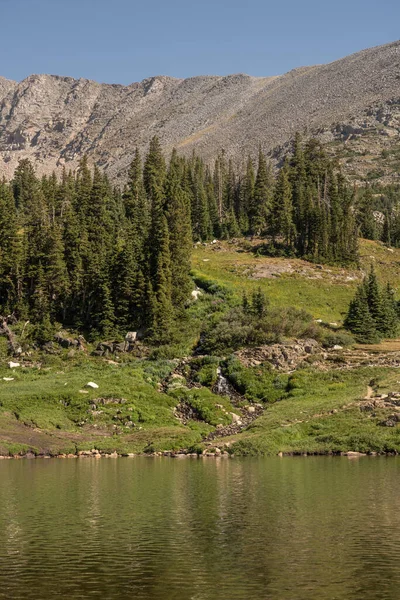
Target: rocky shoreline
x,y
216,453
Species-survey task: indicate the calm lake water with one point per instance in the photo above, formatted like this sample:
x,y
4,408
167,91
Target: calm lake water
x,y
164,529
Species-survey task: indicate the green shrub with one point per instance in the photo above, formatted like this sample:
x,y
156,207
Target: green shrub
x,y
255,383
336,338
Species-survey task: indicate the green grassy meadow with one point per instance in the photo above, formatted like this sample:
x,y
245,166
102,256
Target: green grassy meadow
x,y
47,408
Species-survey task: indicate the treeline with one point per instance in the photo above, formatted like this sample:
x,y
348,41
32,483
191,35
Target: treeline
x,y
378,213
307,209
373,313
81,253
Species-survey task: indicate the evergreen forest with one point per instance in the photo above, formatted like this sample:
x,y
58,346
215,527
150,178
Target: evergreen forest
x,y
79,253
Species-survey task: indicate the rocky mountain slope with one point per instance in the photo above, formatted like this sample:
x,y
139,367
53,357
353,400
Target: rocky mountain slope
x,y
353,104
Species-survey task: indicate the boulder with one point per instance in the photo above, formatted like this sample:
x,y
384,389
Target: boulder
x,y
352,454
131,337
195,294
105,347
92,385
65,342
13,365
235,418
119,347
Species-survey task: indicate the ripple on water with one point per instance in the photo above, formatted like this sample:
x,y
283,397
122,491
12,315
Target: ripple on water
x,y
287,529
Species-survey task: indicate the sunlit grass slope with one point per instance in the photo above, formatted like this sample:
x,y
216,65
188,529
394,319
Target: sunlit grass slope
x,y
325,291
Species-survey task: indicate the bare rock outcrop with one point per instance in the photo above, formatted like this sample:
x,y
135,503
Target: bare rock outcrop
x,y
55,120
283,357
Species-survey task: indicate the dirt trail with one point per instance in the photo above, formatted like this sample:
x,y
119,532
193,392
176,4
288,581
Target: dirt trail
x,y
370,393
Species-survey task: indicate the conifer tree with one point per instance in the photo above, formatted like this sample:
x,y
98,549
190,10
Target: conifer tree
x,y
137,208
180,236
386,234
359,320
368,227
160,277
162,309
57,281
281,219
246,196
373,295
260,208
259,303
388,321
298,181
154,169
11,275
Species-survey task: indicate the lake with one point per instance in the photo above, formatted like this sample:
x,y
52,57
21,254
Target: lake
x,y
208,529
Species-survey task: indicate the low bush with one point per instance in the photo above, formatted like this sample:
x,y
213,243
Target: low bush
x,y
238,328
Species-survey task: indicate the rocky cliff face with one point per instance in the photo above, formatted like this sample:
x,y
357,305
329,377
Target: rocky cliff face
x,y
55,120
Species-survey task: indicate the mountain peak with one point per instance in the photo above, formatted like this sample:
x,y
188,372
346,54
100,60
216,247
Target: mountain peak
x,y
53,120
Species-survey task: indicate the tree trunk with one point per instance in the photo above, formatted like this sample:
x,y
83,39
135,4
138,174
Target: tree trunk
x,y
13,345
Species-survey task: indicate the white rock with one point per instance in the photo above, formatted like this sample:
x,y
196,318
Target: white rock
x,y
235,418
196,294
8,378
336,347
13,365
92,385
131,337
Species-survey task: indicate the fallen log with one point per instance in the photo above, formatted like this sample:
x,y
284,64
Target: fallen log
x,y
13,345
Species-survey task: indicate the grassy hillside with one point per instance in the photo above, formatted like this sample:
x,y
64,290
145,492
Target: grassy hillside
x,y
323,290
324,412
140,404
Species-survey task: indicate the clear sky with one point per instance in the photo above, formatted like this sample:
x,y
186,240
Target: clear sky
x,y
121,41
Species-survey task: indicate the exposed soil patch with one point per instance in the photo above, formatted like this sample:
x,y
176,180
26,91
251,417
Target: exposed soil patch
x,y
274,267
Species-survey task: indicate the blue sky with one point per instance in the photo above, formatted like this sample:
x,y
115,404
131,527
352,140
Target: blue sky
x,y
121,41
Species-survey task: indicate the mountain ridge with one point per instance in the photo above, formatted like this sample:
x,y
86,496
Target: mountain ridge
x,y
53,120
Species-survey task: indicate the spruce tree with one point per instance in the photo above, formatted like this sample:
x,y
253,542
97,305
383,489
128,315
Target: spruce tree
x,y
388,321
368,226
373,295
261,204
281,218
159,263
359,320
246,196
180,235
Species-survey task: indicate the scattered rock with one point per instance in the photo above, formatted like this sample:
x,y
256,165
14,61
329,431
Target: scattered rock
x,y
196,294
235,418
352,454
286,356
92,385
13,365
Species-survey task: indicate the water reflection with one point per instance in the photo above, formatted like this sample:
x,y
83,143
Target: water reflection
x,y
159,529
